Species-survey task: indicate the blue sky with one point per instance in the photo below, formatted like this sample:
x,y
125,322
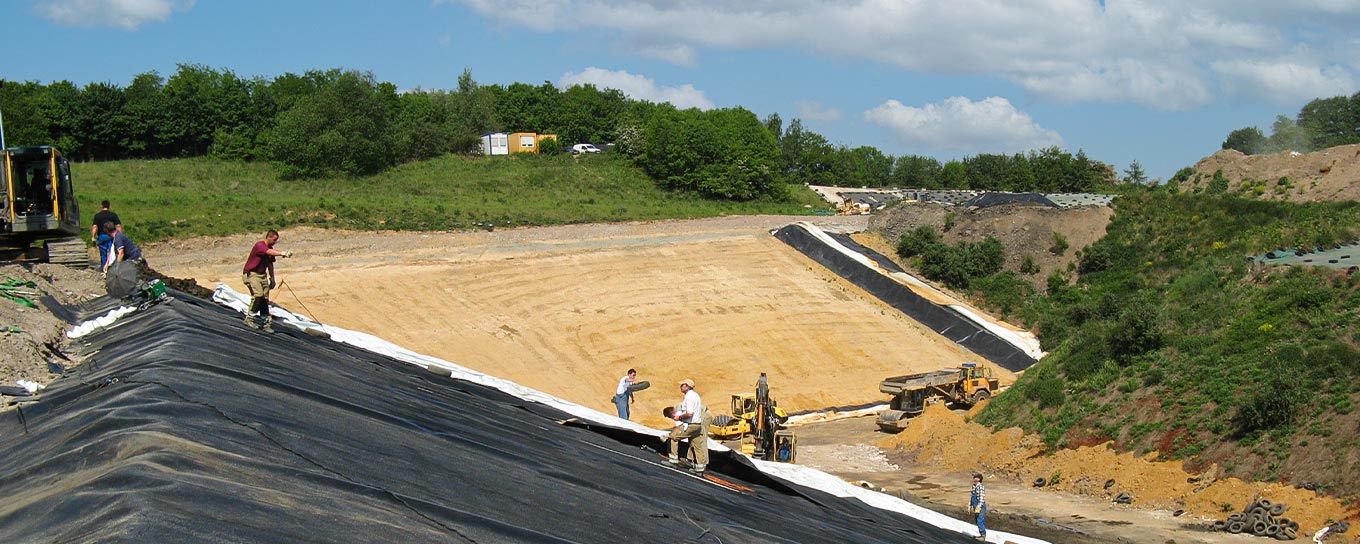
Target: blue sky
x,y
1158,81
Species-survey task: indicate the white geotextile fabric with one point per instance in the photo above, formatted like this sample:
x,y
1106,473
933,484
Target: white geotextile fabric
x,y
1022,340
90,325
801,475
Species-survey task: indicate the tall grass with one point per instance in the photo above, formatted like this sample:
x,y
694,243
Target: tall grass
x,y
160,199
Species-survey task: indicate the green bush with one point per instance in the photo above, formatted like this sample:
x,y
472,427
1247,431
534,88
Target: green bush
x,y
1059,244
1047,391
1218,185
918,241
1028,266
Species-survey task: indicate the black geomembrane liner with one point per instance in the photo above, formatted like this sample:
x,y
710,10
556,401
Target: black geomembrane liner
x,y
182,425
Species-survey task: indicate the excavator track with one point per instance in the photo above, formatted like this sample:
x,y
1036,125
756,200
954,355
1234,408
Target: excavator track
x,y
71,252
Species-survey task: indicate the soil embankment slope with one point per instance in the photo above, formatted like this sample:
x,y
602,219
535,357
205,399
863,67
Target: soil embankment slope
x,y
568,309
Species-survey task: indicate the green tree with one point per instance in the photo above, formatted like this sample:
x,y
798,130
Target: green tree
x,y
1331,121
1134,173
1248,140
726,153
915,171
1288,136
342,128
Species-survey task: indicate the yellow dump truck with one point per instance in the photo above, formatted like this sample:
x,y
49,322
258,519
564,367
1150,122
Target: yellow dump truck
x,y
966,385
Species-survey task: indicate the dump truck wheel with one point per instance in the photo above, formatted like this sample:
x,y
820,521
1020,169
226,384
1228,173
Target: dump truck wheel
x,y
981,396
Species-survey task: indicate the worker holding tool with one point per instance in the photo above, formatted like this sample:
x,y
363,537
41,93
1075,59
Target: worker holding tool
x,y
692,413
623,395
977,505
259,279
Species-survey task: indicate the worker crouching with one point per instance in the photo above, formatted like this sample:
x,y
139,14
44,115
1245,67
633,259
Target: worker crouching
x,y
693,424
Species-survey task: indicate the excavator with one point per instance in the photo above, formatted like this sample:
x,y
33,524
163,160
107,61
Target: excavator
x,y
756,420
38,204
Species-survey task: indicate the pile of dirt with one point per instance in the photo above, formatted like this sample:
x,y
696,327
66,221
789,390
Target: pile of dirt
x,y
1024,230
1326,175
946,439
33,340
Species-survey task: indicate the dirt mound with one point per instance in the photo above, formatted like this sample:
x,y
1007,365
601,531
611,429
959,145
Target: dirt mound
x,y
945,439
1024,230
31,338
1327,175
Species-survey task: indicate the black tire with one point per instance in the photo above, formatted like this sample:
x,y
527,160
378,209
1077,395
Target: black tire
x,y
1272,529
1236,516
1288,533
639,386
1109,483
1236,527
1039,482
981,396
1265,503
1259,528
1219,525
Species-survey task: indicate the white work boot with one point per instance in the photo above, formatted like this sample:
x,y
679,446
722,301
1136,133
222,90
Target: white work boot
x,y
250,322
674,460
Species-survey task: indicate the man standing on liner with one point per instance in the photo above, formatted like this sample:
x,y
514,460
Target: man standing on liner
x,y
623,394
259,278
692,413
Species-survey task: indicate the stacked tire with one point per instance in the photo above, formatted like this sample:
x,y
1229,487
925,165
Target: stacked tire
x,y
1261,518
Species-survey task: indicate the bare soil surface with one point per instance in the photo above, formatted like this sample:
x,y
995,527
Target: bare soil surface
x,y
930,464
32,340
1328,174
569,309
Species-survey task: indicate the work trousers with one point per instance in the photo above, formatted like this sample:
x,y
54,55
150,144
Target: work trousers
x,y
621,403
697,433
258,284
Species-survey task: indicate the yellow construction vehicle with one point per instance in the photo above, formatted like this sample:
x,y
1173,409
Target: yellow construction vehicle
x,y
756,420
38,204
966,385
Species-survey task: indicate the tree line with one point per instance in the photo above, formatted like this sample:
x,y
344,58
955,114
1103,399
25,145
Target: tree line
x,y
1320,124
345,122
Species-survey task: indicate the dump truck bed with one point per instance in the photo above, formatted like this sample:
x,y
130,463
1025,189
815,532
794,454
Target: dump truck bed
x,y
898,384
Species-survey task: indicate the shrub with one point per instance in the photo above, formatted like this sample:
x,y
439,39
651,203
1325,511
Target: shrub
x,y
918,241
1218,185
1047,390
1059,244
1028,266
949,220
549,146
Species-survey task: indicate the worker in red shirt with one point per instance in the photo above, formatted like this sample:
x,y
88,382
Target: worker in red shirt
x,y
259,278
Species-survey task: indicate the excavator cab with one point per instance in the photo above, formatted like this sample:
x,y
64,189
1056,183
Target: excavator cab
x,y
39,203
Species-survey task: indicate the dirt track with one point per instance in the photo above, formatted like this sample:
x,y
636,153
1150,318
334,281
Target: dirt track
x,y
568,309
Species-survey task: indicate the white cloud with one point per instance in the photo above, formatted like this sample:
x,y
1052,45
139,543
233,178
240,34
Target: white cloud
x,y
814,111
126,14
638,87
1284,81
677,54
991,125
1157,53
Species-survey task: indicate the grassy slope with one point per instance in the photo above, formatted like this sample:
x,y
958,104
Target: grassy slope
x,y
1171,342
184,197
